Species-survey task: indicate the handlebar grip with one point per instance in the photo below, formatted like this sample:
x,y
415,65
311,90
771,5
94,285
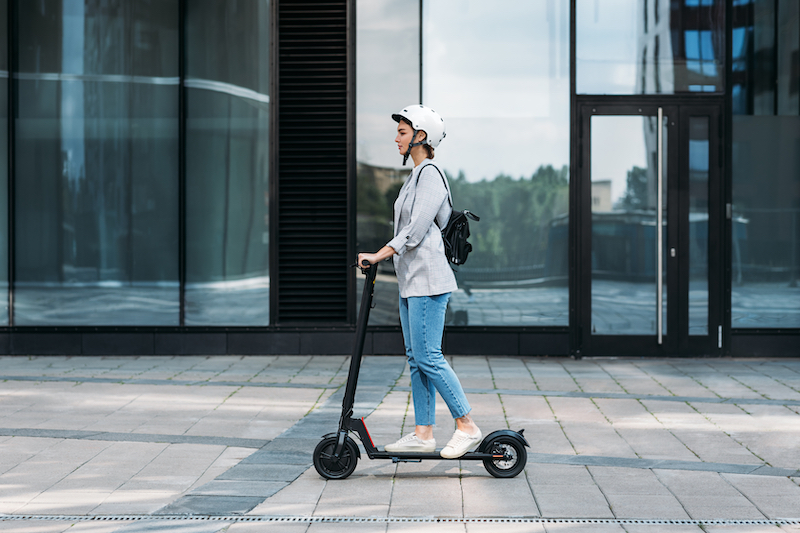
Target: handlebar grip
x,y
365,263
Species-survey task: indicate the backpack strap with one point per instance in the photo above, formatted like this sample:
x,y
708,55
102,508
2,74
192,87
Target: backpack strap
x,y
446,186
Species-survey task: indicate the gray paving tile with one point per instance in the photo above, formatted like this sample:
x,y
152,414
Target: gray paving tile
x,y
750,528
436,496
560,475
346,528
628,481
583,528
663,506
211,505
220,487
32,526
487,496
285,451
176,527
776,497
505,528
425,527
365,496
258,527
707,495
665,528
264,472
571,502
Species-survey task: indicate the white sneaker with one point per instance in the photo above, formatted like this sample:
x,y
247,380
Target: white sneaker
x,y
460,444
412,443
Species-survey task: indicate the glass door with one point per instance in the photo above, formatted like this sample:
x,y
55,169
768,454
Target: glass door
x,y
648,183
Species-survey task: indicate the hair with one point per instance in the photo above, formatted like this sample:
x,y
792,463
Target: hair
x,y
428,147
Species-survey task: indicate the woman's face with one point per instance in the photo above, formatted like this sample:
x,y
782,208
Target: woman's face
x,y
404,133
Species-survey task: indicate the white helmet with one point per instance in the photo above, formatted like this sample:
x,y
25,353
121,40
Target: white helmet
x,y
425,119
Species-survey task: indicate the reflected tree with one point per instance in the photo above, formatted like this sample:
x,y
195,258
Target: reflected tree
x,y
637,192
516,214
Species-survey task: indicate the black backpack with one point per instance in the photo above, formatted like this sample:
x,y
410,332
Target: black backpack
x,y
456,232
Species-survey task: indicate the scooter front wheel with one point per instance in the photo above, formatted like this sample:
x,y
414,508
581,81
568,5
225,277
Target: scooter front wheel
x,y
514,456
331,467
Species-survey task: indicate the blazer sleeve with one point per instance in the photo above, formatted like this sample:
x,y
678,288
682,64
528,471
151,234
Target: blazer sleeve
x,y
428,198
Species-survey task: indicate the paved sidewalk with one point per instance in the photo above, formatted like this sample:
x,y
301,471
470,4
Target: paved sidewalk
x,y
211,444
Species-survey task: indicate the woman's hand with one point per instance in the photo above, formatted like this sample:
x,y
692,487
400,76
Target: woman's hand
x,y
384,253
371,258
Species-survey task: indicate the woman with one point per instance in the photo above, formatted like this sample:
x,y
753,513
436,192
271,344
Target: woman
x,y
426,281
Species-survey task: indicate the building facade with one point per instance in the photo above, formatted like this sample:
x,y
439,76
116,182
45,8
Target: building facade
x,y
196,176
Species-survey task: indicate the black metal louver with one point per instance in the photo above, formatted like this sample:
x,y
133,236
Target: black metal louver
x,y
312,154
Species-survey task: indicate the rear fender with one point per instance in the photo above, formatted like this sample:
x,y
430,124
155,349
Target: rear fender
x,y
484,447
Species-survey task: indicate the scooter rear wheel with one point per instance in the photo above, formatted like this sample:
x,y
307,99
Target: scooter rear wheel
x,y
514,454
331,467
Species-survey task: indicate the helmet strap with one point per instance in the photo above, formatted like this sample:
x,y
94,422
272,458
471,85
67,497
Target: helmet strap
x,y
411,145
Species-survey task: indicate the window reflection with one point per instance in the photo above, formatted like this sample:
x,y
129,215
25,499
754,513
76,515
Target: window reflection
x,y
766,164
698,224
505,98
97,161
649,47
387,70
227,149
766,59
624,188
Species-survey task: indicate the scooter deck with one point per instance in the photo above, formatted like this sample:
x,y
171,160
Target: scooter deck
x,y
410,456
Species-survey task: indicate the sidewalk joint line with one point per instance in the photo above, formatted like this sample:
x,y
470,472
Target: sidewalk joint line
x,y
70,434
185,383
661,464
623,396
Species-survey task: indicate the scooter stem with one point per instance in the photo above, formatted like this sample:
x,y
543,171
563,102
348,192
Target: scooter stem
x,y
358,346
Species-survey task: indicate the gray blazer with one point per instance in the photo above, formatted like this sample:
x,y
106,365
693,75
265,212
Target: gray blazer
x,y
420,262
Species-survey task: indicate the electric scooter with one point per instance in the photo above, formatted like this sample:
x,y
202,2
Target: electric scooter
x,y
335,457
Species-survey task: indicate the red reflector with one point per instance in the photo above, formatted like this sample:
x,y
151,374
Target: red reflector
x,y
368,435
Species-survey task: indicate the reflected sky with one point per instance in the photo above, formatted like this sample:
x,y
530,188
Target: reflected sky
x,y
649,46
609,162
606,46
387,74
497,72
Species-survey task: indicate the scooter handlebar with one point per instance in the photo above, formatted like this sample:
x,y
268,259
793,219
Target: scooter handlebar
x,y
365,266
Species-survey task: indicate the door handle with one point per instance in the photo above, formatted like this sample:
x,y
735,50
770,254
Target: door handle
x,y
659,228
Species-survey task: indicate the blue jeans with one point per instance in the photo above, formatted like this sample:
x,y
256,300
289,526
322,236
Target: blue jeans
x,y
422,319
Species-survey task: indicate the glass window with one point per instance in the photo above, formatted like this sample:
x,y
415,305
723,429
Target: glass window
x,y
227,163
649,46
766,57
766,164
4,164
387,71
96,163
624,188
699,145
505,96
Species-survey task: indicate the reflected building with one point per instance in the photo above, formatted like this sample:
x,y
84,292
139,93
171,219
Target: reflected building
x,y
655,65
196,176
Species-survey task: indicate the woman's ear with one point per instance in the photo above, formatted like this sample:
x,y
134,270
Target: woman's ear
x,y
421,136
